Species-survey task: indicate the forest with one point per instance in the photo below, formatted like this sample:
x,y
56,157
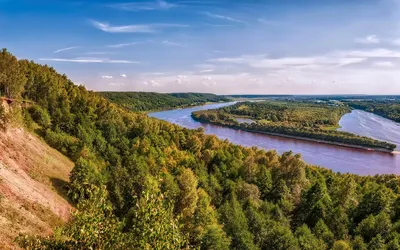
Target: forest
x,y
148,101
142,183
296,118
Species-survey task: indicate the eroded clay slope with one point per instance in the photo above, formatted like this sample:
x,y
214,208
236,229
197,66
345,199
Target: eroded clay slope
x,y
32,176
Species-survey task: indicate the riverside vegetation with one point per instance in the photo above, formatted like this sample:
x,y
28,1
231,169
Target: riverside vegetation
x,y
304,119
142,183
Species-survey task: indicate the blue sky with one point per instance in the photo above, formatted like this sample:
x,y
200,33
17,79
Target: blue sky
x,y
218,46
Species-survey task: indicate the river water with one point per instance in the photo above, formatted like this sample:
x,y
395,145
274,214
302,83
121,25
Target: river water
x,y
339,159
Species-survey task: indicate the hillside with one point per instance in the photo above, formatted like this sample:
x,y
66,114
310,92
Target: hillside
x,y
142,183
32,175
148,101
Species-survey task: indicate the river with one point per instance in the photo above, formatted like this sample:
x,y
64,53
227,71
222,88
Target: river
x,y
339,159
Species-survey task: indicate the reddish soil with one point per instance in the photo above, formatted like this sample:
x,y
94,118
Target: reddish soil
x,y
32,176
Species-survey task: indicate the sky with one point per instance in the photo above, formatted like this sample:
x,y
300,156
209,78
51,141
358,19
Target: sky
x,y
213,46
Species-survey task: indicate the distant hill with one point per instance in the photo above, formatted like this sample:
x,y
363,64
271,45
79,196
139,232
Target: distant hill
x,y
150,101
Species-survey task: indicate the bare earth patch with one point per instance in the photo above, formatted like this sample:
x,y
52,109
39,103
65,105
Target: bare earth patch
x,y
32,175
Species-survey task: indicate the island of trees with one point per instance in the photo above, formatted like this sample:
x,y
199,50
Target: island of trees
x,y
299,119
142,183
148,101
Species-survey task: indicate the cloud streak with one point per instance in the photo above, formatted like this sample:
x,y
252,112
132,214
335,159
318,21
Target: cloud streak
x,y
221,17
87,60
135,6
135,28
121,45
65,49
166,42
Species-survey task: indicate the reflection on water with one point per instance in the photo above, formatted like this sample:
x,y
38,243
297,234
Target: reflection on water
x,y
340,159
367,124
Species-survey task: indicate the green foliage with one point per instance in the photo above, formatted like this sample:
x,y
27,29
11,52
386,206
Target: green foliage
x,y
358,243
152,224
63,142
12,79
236,225
93,227
307,240
148,101
142,183
40,116
341,245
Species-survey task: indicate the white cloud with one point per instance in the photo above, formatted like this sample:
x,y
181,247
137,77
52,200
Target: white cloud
x,y
373,53
329,60
123,75
135,28
206,70
135,6
227,18
166,42
372,39
86,60
386,64
65,49
107,77
120,45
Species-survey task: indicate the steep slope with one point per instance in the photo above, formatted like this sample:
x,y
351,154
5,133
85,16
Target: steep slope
x,y
31,179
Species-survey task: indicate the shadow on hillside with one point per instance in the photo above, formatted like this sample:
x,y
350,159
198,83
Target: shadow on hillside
x,y
61,188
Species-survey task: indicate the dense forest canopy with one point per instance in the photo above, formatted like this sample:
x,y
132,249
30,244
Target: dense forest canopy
x,y
303,119
148,101
296,113
141,183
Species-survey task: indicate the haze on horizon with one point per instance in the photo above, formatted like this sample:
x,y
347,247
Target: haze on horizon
x,y
215,46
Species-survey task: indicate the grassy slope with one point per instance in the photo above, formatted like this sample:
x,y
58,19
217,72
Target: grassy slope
x,y
31,179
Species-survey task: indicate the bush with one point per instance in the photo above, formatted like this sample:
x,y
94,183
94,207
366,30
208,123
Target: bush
x,y
66,144
40,116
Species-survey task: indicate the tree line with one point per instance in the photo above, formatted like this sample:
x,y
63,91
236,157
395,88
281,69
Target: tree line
x,y
149,101
142,183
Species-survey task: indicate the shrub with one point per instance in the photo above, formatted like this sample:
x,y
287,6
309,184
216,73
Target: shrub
x,y
66,144
40,116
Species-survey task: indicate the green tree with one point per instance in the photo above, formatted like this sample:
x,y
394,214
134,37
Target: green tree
x,y
377,243
12,79
236,225
188,197
152,225
307,241
341,245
